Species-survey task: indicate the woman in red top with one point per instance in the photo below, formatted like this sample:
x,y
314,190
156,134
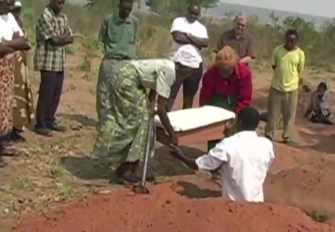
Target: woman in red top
x,y
227,84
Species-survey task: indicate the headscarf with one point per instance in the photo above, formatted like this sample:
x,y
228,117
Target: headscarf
x,y
17,4
226,57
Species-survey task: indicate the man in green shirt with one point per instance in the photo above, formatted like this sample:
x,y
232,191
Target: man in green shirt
x,y
118,34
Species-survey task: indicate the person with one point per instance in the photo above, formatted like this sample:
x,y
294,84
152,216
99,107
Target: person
x,y
227,84
318,110
243,158
189,37
23,112
239,39
118,35
53,33
11,41
126,111
288,61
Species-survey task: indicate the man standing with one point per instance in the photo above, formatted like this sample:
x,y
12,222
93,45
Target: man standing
x,y
189,37
243,158
118,35
52,34
239,39
288,61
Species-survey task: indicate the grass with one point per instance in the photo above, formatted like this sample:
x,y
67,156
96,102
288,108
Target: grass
x,y
154,37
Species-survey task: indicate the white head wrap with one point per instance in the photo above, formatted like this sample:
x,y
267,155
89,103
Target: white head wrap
x,y
17,4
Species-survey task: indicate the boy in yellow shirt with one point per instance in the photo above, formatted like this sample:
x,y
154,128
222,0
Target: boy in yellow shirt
x,y
288,61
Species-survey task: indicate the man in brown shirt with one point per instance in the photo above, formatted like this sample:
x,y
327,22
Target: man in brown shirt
x,y
239,39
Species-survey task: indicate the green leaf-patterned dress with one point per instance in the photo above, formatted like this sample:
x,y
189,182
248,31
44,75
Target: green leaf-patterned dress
x,y
123,107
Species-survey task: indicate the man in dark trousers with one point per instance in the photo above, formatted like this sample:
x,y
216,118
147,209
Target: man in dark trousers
x,y
189,37
53,33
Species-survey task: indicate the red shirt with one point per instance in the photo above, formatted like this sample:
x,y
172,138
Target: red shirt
x,y
239,85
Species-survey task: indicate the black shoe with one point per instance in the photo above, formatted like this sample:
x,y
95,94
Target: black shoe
x,y
287,141
55,127
6,138
125,175
16,137
44,131
18,130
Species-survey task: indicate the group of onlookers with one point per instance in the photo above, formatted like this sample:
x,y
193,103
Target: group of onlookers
x,y
130,91
16,104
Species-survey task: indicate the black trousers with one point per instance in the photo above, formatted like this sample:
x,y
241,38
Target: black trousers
x,y
50,91
190,88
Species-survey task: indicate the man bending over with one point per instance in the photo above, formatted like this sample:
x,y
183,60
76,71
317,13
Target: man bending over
x,y
244,159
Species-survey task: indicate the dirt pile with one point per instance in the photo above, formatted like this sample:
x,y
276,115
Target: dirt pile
x,y
165,210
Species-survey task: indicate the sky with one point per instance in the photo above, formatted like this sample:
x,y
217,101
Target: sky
x,y
323,8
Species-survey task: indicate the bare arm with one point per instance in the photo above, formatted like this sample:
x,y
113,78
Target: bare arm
x,y
44,26
161,112
199,42
181,38
152,99
5,50
246,59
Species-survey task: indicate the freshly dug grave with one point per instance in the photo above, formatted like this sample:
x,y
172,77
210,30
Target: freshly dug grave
x,y
165,210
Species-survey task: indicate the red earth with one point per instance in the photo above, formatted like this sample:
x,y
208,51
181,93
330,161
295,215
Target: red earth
x,y
165,210
299,191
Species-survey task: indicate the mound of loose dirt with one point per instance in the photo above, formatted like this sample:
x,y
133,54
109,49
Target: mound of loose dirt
x,y
165,210
309,187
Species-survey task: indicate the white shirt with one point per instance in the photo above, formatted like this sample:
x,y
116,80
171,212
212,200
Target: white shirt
x,y
188,54
244,159
9,27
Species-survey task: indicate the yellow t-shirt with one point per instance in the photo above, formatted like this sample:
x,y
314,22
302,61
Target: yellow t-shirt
x,y
288,66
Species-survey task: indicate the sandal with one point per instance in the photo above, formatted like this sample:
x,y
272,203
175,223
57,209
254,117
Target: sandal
x,y
138,171
4,151
125,175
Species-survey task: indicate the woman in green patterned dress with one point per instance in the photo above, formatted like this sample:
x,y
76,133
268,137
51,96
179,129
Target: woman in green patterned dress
x,y
124,108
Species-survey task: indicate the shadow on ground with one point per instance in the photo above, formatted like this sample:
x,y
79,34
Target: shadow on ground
x,y
319,138
83,120
192,191
161,165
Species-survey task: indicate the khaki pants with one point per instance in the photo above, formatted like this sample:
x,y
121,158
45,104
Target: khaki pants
x,y
284,103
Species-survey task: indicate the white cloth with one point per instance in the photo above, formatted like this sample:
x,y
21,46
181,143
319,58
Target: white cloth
x,y
8,27
188,54
188,119
244,159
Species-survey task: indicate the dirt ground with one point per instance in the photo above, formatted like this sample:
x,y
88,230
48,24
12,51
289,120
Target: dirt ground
x,y
54,185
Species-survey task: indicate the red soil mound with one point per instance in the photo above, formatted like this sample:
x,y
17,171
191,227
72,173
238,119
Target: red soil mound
x,y
165,210
309,187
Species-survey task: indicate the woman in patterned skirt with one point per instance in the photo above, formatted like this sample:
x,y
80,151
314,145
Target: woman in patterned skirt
x,y
125,108
23,114
11,41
